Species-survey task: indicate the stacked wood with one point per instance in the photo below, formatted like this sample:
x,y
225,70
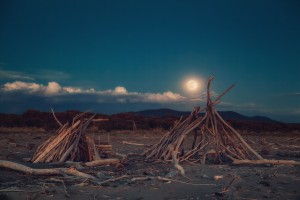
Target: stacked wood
x,y
212,135
69,143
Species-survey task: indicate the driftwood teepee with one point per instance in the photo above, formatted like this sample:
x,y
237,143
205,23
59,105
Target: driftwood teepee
x,y
212,136
69,143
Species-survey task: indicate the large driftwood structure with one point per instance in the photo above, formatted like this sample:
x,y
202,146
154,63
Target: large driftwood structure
x,y
212,136
69,143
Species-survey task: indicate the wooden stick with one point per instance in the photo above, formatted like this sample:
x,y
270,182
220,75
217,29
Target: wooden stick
x,y
53,171
265,161
217,100
60,124
168,179
176,165
112,179
111,161
133,143
239,136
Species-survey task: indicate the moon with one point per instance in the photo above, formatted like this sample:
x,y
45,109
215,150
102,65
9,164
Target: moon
x,y
192,85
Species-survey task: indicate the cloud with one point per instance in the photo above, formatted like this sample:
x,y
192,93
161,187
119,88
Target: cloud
x,y
44,74
295,94
119,94
8,74
53,88
120,90
73,90
22,86
235,106
164,97
51,75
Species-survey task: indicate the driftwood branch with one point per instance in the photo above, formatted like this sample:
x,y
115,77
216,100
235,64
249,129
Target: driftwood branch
x,y
199,184
101,162
60,124
133,143
265,161
52,171
112,179
176,165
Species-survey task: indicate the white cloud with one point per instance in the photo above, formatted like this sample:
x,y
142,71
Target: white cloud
x,y
53,88
119,94
8,74
295,94
72,89
19,85
52,75
43,74
235,106
120,90
165,97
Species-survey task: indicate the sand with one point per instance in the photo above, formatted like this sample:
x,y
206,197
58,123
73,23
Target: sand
x,y
250,182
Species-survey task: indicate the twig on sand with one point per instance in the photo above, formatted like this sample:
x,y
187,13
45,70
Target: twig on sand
x,y
133,143
199,184
112,180
226,188
265,161
146,178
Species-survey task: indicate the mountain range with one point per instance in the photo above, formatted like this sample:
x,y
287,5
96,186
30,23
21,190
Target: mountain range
x,y
227,115
144,120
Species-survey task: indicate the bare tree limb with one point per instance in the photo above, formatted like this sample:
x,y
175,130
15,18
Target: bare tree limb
x,y
60,124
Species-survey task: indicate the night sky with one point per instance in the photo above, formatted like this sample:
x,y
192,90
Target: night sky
x,y
115,56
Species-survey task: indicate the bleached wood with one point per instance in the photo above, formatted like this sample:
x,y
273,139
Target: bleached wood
x,y
101,162
265,161
52,171
60,124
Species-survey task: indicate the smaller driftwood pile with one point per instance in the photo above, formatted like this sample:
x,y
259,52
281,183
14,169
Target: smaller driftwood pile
x,y
69,143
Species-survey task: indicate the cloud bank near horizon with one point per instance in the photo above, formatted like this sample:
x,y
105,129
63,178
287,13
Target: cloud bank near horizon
x,y
19,96
120,94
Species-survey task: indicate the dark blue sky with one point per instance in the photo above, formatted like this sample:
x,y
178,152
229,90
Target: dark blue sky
x,y
148,48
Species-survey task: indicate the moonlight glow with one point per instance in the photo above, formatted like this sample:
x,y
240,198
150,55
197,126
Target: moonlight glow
x,y
192,85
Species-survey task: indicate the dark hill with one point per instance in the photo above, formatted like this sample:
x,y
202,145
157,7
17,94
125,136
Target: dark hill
x,y
227,115
147,119
164,112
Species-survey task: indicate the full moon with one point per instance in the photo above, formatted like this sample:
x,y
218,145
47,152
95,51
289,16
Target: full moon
x,y
192,85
